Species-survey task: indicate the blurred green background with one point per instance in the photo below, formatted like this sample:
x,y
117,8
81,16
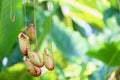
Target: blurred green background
x,y
85,38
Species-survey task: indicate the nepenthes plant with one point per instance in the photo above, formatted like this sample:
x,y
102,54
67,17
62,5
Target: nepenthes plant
x,y
33,60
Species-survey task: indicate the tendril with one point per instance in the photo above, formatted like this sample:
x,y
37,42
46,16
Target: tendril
x,y
25,20
50,9
12,18
35,26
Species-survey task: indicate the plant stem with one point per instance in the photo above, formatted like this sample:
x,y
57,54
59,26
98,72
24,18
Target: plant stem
x,y
25,21
119,5
35,26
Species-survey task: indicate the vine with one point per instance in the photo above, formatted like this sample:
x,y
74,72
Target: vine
x,y
32,59
12,18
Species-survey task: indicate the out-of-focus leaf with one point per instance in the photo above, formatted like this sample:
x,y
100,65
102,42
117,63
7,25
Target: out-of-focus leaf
x,y
0,8
9,30
72,44
96,4
114,3
83,27
102,73
91,15
99,74
72,72
46,28
60,73
87,70
15,57
82,73
109,54
112,18
17,71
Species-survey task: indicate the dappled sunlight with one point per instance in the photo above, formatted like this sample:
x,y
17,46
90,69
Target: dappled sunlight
x,y
60,40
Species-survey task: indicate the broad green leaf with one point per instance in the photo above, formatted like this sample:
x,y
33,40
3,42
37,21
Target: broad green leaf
x,y
0,5
89,14
109,54
9,30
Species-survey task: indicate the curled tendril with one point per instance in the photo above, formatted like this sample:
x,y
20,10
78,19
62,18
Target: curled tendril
x,y
12,18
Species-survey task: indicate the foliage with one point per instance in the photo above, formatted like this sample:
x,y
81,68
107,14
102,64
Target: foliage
x,y
86,38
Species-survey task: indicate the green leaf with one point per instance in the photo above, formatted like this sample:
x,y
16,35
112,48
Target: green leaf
x,y
115,3
89,14
99,74
9,30
109,54
111,18
59,72
16,72
15,57
72,44
83,27
46,29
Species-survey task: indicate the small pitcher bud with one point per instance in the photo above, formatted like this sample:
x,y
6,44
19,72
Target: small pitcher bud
x,y
31,32
24,43
48,60
32,69
36,59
